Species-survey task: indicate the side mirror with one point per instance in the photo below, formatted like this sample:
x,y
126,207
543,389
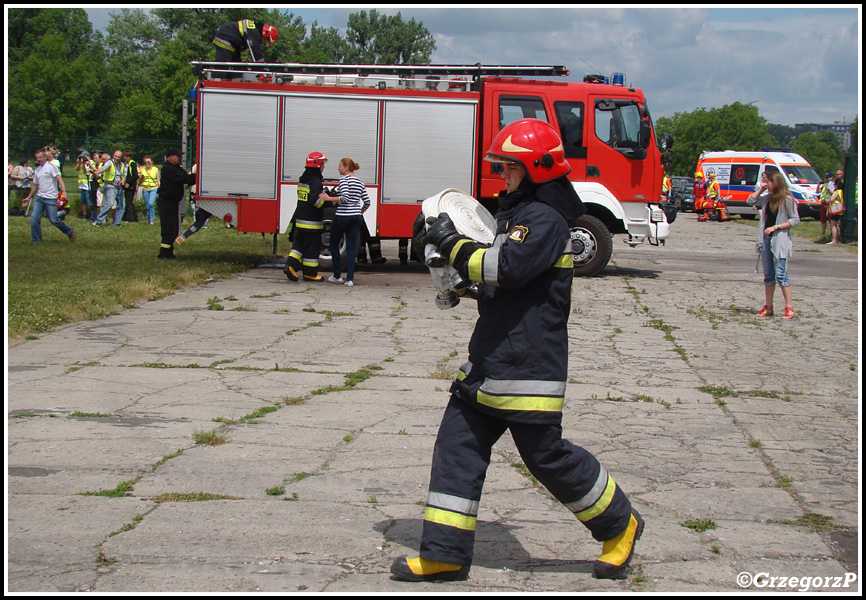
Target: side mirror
x,y
667,141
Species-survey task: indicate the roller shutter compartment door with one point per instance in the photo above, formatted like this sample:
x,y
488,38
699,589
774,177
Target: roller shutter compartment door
x,y
429,147
238,154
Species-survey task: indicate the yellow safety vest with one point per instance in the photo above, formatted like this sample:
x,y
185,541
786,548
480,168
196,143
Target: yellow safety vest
x,y
84,177
713,189
108,174
149,177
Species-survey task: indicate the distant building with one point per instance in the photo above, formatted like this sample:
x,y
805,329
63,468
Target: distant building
x,y
842,131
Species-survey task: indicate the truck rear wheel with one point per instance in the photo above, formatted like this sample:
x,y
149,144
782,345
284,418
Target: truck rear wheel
x,y
592,245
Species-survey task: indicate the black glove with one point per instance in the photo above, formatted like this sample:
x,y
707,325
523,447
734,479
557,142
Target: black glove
x,y
419,237
442,233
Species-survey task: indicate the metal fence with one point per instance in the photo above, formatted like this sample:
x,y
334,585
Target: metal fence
x,y
23,145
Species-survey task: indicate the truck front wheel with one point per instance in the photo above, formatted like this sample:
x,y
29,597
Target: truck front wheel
x,y
592,245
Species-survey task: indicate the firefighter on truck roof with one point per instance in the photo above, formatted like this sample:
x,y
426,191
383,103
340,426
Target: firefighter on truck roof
x,y
236,36
513,381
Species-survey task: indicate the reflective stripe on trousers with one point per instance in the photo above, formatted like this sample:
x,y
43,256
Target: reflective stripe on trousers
x,y
461,457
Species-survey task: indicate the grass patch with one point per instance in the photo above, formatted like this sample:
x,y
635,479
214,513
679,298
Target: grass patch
x,y
191,497
666,328
815,523
717,391
214,437
47,286
261,412
699,525
124,488
80,414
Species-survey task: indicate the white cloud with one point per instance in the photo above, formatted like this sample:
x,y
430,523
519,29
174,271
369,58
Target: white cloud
x,y
798,64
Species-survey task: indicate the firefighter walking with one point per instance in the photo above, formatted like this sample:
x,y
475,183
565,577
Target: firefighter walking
x,y
515,378
308,222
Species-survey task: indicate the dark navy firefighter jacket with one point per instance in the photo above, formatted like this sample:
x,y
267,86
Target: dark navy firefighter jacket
x,y
518,353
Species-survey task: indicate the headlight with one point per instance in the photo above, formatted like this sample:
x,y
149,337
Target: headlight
x,y
657,215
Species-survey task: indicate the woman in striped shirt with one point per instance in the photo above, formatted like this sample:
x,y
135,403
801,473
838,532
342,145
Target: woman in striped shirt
x,y
351,204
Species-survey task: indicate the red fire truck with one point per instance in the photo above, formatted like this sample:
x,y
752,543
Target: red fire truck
x,y
415,131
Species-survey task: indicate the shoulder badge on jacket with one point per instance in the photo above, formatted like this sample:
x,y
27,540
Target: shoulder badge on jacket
x,y
518,233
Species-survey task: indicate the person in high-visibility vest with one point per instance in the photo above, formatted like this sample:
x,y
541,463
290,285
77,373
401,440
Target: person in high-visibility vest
x,y
148,178
82,165
700,193
666,187
713,188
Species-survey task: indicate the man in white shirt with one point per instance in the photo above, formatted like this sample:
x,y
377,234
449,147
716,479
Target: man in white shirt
x,y
47,187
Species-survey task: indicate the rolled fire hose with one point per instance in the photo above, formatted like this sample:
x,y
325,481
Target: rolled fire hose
x,y
470,219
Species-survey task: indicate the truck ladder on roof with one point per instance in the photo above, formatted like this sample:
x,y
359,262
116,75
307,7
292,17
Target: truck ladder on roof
x,y
477,70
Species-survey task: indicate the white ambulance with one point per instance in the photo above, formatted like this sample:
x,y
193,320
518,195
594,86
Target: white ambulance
x,y
739,172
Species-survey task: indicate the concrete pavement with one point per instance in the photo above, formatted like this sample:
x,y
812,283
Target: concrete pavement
x,y
736,437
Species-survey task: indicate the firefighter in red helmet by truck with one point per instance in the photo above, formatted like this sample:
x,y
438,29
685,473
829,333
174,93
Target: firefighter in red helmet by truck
x,y
308,222
515,378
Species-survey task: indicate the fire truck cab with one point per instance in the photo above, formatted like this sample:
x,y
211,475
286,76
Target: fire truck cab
x,y
414,131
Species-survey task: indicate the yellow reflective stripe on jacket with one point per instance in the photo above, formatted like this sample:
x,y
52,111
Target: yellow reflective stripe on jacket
x,y
522,394
475,267
308,224
451,519
566,261
535,403
456,249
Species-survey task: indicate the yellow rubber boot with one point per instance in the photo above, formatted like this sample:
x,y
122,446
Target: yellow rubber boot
x,y
421,569
617,553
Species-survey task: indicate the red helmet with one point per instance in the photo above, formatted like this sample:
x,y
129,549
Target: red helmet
x,y
62,202
316,159
270,33
533,143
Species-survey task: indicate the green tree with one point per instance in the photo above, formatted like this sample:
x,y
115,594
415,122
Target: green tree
x,y
323,45
27,27
50,94
733,127
379,39
54,65
822,150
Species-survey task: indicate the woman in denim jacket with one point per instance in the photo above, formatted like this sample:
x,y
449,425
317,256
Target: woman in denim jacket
x,y
778,216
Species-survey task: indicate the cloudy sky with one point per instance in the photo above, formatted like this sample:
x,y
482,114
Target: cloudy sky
x,y
796,64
